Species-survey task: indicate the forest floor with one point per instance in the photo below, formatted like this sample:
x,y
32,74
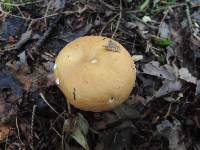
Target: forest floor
x,y
163,110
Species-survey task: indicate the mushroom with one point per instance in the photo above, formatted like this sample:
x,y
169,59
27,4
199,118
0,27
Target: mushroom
x,y
95,73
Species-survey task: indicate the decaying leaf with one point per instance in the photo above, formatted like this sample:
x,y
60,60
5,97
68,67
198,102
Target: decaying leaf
x,y
5,131
165,71
171,131
164,30
68,37
168,87
126,111
198,88
184,74
24,38
80,131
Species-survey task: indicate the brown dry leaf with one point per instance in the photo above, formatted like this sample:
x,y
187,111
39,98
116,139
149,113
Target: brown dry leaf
x,y
5,131
11,40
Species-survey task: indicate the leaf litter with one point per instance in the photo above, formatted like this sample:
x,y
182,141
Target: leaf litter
x,y
167,74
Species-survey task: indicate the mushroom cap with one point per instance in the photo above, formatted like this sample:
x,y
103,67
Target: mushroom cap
x,y
95,73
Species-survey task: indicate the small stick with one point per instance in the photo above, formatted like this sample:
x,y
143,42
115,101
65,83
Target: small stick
x,y
32,124
48,103
16,121
108,23
118,22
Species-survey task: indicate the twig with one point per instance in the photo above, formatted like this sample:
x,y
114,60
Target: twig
x,y
119,19
30,19
17,5
57,132
46,13
32,124
16,121
6,143
169,110
48,103
108,23
189,17
192,30
107,5
20,12
40,18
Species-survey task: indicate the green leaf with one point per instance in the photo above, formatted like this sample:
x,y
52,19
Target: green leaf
x,y
80,131
144,4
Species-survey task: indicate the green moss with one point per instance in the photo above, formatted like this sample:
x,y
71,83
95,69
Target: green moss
x,y
163,42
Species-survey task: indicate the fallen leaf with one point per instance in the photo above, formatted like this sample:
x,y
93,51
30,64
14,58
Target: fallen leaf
x,y
197,88
7,81
168,87
11,40
25,80
164,30
170,54
5,131
24,38
70,36
165,71
125,111
22,58
11,26
58,4
172,132
184,74
80,131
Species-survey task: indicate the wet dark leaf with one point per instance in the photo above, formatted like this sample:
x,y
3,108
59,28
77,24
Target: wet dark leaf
x,y
7,81
127,111
12,26
70,36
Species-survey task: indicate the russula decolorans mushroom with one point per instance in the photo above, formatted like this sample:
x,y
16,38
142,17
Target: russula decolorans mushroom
x,y
95,73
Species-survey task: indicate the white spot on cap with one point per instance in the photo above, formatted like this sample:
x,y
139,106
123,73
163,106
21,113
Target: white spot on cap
x,y
111,100
93,61
57,81
55,66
